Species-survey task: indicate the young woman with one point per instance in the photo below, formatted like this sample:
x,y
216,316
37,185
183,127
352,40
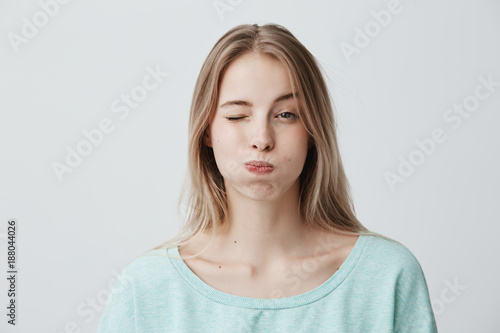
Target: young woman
x,y
271,242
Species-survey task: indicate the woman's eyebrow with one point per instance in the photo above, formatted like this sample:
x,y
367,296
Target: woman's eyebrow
x,y
246,103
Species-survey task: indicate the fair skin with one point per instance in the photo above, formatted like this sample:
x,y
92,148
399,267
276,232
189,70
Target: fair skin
x,y
264,235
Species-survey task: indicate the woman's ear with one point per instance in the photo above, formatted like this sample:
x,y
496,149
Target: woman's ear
x,y
310,144
206,139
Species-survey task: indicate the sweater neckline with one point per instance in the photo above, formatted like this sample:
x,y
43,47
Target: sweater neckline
x,y
263,303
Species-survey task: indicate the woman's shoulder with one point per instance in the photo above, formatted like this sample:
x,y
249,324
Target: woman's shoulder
x,y
389,253
148,266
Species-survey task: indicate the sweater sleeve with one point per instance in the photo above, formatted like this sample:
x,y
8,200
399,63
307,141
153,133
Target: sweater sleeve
x,y
413,310
119,314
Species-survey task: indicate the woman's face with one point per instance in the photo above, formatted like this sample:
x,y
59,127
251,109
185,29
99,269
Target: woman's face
x,y
257,119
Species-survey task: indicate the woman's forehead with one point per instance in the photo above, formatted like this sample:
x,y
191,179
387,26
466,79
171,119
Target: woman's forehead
x,y
247,74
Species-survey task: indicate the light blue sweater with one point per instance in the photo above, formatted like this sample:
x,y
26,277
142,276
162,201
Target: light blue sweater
x,y
379,288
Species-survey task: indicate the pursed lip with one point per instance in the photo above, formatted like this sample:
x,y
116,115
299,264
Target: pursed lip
x,y
259,164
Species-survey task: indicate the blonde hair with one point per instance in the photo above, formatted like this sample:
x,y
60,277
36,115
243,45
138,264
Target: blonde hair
x,y
325,199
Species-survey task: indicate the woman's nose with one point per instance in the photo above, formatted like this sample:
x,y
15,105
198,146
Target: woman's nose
x,y
263,138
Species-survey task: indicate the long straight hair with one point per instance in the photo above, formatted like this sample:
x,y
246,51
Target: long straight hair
x,y
325,200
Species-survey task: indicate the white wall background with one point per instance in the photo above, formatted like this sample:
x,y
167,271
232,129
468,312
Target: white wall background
x,y
61,78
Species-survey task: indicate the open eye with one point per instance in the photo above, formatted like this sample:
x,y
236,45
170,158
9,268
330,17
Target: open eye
x,y
289,115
